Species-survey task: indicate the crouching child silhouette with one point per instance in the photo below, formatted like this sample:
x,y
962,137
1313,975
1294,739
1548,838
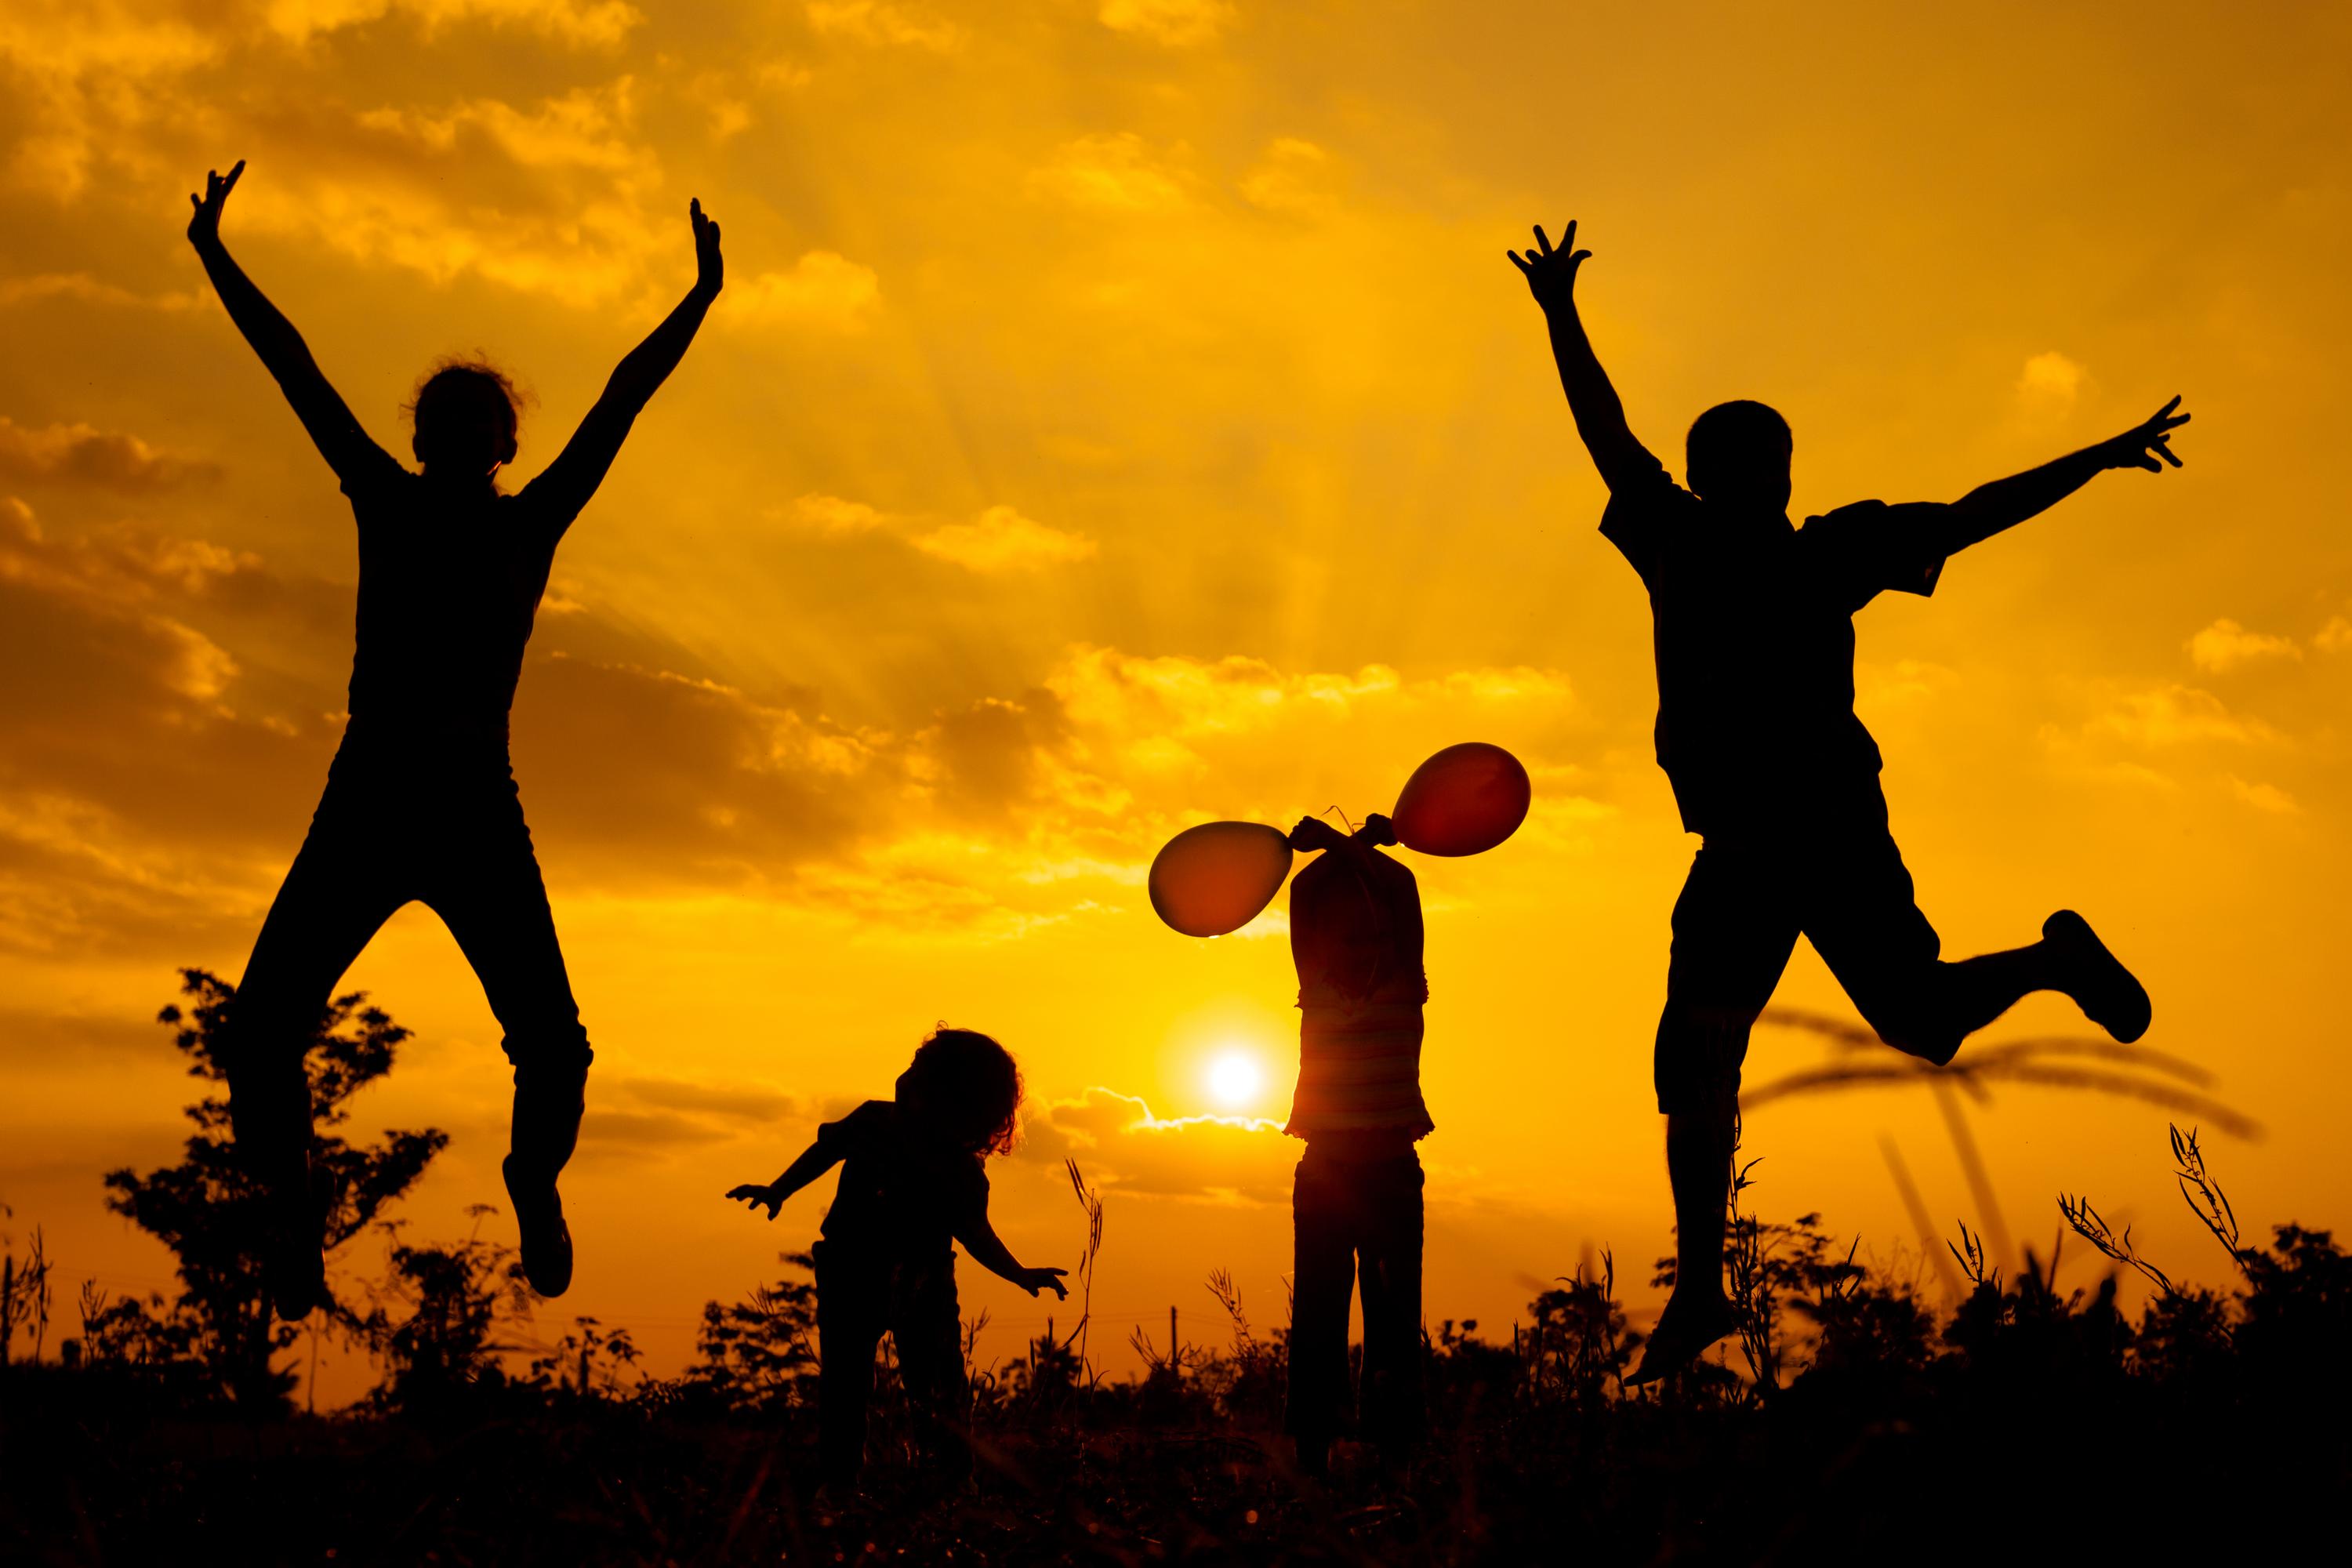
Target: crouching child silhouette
x,y
1356,1206
911,1184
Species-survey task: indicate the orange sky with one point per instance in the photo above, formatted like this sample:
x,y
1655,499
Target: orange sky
x,y
1121,415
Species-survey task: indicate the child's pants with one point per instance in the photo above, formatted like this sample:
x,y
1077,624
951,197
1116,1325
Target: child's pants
x,y
859,1298
1350,1219
401,823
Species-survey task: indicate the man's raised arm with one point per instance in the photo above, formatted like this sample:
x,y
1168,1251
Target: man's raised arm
x,y
2004,503
321,409
574,477
1599,416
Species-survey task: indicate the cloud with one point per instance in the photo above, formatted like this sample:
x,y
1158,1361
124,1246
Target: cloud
x,y
89,289
2336,636
1002,540
883,23
629,1116
2049,386
81,453
999,541
2225,646
831,514
188,707
1112,173
2264,797
1176,22
86,67
2178,715
133,793
1905,683
1291,177
582,23
1123,1147
823,290
1192,699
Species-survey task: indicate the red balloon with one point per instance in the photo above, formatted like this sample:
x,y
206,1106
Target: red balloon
x,y
1465,800
1215,879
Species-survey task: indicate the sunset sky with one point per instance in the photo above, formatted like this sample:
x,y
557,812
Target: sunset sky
x,y
1121,415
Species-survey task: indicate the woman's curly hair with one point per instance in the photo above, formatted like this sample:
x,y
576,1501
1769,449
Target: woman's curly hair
x,y
971,1086
461,379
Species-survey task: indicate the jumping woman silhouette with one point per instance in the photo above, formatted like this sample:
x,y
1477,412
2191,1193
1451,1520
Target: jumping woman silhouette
x,y
420,802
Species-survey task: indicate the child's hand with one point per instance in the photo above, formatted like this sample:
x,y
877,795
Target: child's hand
x,y
754,1193
1035,1279
1312,833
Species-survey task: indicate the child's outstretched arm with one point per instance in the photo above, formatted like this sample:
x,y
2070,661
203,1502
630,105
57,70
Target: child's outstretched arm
x,y
2004,503
282,351
580,467
1600,415
814,1162
988,1249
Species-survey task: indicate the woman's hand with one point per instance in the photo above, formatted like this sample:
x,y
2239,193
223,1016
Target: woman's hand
x,y
711,268
1035,1279
755,1194
203,227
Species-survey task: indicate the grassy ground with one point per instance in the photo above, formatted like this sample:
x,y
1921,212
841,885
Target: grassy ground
x,y
2027,1427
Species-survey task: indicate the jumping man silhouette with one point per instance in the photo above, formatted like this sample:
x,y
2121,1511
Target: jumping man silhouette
x,y
420,803
1757,733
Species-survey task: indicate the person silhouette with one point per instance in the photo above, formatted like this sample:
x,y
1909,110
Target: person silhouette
x,y
1356,1199
911,1184
420,802
1770,766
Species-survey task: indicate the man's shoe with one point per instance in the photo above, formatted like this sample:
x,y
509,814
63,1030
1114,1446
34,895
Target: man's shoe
x,y
1681,1335
546,1239
2100,984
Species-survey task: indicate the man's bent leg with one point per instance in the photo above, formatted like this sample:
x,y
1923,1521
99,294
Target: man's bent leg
x,y
1734,931
1323,1279
1864,918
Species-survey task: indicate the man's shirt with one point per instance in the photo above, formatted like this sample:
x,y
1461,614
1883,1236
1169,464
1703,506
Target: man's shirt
x,y
1754,632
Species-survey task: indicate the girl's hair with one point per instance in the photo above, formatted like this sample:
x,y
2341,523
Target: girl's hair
x,y
459,379
970,1086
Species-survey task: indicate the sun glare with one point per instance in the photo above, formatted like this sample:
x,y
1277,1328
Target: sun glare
x,y
1234,1078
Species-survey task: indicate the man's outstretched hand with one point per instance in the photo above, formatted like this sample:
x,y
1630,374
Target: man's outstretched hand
x,y
710,267
205,226
1551,274
2147,445
758,1195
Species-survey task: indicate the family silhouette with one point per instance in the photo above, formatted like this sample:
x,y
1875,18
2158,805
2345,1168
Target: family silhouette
x,y
1757,733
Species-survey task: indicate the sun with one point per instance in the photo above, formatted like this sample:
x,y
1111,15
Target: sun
x,y
1234,1078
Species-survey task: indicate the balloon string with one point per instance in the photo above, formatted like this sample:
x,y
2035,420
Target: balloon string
x,y
1333,810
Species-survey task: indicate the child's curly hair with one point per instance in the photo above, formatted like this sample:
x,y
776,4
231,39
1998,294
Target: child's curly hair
x,y
971,1086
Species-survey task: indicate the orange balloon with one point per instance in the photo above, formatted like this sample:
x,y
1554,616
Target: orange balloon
x,y
1215,879
1465,800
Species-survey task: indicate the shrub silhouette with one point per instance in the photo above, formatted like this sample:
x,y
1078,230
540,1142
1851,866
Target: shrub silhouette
x,y
209,1211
